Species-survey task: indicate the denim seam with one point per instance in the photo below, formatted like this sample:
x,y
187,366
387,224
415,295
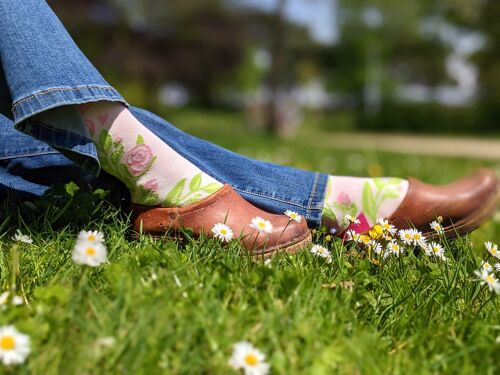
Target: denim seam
x,y
272,198
55,130
15,156
313,192
59,89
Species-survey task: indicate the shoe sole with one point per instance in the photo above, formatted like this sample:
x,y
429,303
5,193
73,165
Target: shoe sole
x,y
293,248
471,222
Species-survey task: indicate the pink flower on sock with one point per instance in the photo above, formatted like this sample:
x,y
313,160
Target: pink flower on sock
x,y
344,198
138,159
151,185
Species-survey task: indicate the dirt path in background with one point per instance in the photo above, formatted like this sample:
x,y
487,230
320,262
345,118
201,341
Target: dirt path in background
x,y
475,148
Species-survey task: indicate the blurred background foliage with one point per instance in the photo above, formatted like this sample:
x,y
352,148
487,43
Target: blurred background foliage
x,y
383,65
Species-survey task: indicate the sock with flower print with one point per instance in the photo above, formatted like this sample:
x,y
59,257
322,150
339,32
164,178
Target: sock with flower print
x,y
359,202
154,173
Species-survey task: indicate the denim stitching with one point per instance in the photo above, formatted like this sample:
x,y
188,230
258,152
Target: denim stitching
x,y
14,156
56,130
313,192
20,101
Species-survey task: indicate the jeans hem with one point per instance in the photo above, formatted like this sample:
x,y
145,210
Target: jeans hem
x,y
44,100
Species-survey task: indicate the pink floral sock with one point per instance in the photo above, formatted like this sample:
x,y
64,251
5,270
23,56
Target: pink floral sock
x,y
364,199
152,170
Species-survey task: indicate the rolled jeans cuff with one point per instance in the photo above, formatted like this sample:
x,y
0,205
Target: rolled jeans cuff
x,y
59,96
66,133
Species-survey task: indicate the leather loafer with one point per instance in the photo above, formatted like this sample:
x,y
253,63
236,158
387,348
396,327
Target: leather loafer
x,y
228,207
463,205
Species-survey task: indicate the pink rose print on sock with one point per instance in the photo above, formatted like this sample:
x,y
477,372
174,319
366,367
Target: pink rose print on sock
x,y
138,159
344,198
103,118
151,185
118,139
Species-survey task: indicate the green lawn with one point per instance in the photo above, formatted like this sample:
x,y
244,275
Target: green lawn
x,y
179,310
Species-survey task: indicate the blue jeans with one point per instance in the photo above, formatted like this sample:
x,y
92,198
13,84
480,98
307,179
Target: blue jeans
x,y
43,75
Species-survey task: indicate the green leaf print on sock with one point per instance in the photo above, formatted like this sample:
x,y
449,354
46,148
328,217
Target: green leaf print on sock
x,y
195,192
374,196
140,140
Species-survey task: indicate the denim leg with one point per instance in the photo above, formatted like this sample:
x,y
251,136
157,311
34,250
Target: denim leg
x,y
25,162
44,69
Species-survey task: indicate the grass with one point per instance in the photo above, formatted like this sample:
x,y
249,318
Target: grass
x,y
179,310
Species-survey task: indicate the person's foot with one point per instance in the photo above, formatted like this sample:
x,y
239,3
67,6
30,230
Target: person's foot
x,y
460,206
226,215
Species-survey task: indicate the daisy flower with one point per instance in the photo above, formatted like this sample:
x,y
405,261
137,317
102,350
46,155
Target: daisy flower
x,y
489,279
91,236
434,249
497,266
14,346
393,248
292,215
89,253
375,247
222,232
418,238
249,359
320,251
351,219
406,236
437,227
486,266
262,225
387,227
492,249
351,235
19,237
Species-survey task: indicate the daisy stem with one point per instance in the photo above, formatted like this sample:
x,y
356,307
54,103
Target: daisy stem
x,y
14,252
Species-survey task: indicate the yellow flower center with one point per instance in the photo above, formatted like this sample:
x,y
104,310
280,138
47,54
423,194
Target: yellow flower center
x,y
90,251
435,249
489,279
223,232
493,250
417,237
261,224
7,343
91,237
408,236
251,359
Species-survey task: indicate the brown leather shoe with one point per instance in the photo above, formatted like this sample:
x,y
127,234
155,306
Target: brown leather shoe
x,y
228,207
464,204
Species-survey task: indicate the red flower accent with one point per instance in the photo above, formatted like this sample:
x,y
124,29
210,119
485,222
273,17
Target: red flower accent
x,y
138,159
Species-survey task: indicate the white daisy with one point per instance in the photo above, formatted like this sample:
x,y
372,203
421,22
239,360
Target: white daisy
x,y
14,346
262,225
19,237
492,249
434,249
17,300
89,253
351,219
497,266
351,235
489,279
222,232
375,246
406,236
418,238
387,227
249,359
91,236
486,266
320,251
293,216
393,248
437,227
